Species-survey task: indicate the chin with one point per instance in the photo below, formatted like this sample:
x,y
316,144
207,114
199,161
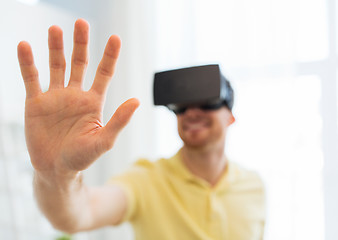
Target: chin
x,y
195,142
200,140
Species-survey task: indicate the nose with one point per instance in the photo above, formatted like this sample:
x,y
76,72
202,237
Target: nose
x,y
193,110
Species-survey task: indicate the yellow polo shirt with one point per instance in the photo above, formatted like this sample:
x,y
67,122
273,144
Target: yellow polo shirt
x,y
167,202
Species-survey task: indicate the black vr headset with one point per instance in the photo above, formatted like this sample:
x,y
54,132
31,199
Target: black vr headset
x,y
201,86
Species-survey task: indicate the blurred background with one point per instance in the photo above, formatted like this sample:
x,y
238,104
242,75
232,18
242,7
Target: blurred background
x,y
280,55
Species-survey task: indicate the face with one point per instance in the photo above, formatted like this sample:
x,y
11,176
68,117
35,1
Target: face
x,y
201,128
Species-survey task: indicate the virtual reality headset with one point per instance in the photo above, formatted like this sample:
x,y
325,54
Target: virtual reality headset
x,y
200,86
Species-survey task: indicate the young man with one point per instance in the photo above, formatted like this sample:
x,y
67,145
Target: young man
x,y
197,194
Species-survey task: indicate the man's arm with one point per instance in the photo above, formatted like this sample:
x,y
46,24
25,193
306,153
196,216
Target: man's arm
x,y
65,134
71,206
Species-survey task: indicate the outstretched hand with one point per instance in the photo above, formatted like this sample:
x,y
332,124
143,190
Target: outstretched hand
x,y
64,129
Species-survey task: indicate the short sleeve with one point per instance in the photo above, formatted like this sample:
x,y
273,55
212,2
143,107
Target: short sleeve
x,y
130,195
133,183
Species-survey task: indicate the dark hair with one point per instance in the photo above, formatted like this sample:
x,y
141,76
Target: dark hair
x,y
229,93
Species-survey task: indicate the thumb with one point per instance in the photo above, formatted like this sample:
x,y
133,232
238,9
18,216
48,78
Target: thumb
x,y
118,121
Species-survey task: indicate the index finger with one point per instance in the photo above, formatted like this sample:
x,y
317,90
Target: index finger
x,y
28,70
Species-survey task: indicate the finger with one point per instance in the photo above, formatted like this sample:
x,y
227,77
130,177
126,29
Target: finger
x,y
106,68
117,122
57,62
28,70
80,53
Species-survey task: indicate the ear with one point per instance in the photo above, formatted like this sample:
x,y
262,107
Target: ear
x,y
231,119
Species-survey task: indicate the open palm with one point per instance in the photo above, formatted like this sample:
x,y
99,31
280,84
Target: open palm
x,y
64,129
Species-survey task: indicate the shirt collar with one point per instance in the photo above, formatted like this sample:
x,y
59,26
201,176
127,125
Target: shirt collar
x,y
184,173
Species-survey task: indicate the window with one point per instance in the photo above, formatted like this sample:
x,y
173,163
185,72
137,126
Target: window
x,y
278,57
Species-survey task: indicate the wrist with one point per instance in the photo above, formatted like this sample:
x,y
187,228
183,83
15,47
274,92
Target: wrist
x,y
53,179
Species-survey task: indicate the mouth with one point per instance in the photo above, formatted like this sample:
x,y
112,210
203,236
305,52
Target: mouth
x,y
195,125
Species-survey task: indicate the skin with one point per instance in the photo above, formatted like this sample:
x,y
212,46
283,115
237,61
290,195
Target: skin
x,y
65,134
203,134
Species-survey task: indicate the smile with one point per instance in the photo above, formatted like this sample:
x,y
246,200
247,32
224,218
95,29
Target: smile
x,y
195,126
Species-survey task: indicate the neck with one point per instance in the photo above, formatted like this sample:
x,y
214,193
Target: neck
x,y
206,163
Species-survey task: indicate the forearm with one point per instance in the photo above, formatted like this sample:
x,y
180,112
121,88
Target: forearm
x,y
64,200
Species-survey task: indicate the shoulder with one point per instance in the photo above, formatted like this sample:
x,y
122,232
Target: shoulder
x,y
145,165
243,172
245,177
141,170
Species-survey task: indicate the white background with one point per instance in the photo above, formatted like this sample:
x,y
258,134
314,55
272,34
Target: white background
x,y
281,57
